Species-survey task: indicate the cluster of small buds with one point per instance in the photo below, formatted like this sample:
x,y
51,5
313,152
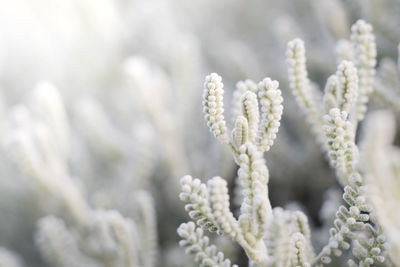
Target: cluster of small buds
x,y
251,113
365,52
343,155
348,90
350,220
348,86
353,196
240,132
247,126
338,234
287,239
298,244
369,252
301,86
196,243
277,233
340,140
298,76
195,193
213,103
271,112
241,88
344,103
301,225
209,205
253,177
219,199
365,58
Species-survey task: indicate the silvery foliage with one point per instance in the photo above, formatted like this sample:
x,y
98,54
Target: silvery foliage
x,y
269,237
279,237
344,104
111,136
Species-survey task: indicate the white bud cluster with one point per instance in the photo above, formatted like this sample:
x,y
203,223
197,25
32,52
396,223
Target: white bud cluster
x,y
348,86
368,254
197,244
253,177
365,58
299,250
219,199
195,193
337,243
209,205
213,107
301,86
271,112
298,76
251,113
287,239
347,90
240,132
301,225
340,140
241,88
350,220
247,127
277,238
344,103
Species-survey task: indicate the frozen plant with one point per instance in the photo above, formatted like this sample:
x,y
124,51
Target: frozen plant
x,y
105,162
269,238
334,121
280,237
